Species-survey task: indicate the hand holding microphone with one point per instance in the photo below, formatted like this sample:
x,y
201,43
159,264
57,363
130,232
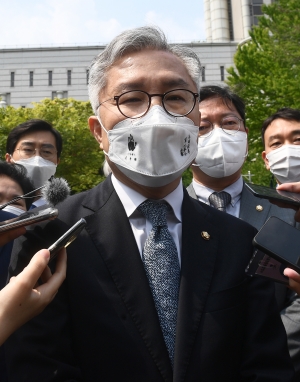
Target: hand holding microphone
x,y
21,300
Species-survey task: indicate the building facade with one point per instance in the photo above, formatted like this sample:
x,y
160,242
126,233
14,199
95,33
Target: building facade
x,y
230,20
32,74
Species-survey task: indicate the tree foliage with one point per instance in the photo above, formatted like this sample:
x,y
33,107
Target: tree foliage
x,y
267,72
81,159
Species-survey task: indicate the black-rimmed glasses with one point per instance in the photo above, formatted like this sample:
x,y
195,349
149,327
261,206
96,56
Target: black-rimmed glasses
x,y
136,103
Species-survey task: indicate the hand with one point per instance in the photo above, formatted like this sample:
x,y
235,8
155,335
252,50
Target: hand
x,y
20,300
292,187
294,279
10,235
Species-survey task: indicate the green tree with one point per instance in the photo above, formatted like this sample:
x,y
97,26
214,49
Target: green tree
x,y
267,72
81,159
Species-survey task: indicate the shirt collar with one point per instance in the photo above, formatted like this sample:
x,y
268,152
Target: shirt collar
x,y
234,189
131,199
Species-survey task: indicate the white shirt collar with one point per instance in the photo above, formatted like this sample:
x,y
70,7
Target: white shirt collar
x,y
131,199
39,202
235,190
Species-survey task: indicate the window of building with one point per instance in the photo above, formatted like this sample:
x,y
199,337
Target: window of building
x,y
229,10
69,77
87,76
59,94
203,73
257,10
30,78
50,78
12,79
222,73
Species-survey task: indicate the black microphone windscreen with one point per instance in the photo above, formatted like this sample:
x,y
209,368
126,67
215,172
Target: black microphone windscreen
x,y
55,191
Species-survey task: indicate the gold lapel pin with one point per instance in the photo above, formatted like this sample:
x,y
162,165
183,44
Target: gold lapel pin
x,y
205,235
259,208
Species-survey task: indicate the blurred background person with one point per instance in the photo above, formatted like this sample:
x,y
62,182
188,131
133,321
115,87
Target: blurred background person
x,y
37,146
281,139
13,182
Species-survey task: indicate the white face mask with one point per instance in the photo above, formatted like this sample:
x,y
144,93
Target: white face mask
x,y
39,170
13,210
284,163
221,154
155,149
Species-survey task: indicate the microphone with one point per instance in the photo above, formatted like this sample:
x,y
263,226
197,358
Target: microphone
x,y
54,191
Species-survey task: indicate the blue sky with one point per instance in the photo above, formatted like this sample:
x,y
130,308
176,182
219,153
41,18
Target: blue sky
x,y
55,22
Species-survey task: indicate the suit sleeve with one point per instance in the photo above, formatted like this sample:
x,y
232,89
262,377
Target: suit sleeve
x,y
291,320
266,356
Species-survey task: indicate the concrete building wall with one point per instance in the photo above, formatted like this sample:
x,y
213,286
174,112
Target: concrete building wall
x,y
77,59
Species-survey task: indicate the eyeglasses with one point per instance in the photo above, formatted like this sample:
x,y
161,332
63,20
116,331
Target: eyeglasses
x,y
136,103
230,125
46,152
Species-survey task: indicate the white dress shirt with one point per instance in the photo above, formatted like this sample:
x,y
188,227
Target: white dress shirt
x,y
235,190
141,227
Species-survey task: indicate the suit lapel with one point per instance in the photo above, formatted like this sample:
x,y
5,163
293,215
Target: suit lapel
x,y
253,210
191,191
110,230
198,261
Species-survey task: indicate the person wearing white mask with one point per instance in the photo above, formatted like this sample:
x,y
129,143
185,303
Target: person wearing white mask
x,y
149,282
281,138
222,149
37,146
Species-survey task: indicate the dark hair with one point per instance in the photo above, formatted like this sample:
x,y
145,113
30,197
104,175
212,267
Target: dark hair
x,y
284,113
18,173
28,127
228,97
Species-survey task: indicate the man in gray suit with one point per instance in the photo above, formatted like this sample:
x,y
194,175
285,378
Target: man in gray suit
x,y
217,171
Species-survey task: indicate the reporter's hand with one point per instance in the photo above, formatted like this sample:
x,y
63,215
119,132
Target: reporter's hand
x,y
7,236
292,187
20,301
294,279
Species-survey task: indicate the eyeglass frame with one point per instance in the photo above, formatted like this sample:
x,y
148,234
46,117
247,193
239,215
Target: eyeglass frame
x,y
220,126
116,98
54,154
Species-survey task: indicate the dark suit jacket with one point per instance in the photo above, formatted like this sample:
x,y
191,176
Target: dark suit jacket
x,y
288,301
103,326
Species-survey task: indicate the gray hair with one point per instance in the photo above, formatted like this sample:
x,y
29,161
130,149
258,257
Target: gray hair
x,y
135,40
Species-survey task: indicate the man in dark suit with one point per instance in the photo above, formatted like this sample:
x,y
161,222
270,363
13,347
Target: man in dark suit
x,y
214,173
105,322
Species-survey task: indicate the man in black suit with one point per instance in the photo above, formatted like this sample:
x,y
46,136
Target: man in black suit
x,y
105,322
220,169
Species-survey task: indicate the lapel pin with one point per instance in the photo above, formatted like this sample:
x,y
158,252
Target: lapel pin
x,y
259,208
205,235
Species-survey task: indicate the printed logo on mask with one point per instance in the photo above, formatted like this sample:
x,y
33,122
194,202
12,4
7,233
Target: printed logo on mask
x,y
131,143
131,146
185,150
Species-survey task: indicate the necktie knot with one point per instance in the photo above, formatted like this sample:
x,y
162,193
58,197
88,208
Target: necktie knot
x,y
155,212
220,200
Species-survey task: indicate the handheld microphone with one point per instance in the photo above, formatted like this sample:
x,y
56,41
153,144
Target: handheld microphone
x,y
54,191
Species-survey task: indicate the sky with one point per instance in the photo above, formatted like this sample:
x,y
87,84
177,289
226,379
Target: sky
x,y
95,22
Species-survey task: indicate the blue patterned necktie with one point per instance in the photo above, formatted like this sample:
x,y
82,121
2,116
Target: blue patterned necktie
x,y
220,200
161,264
